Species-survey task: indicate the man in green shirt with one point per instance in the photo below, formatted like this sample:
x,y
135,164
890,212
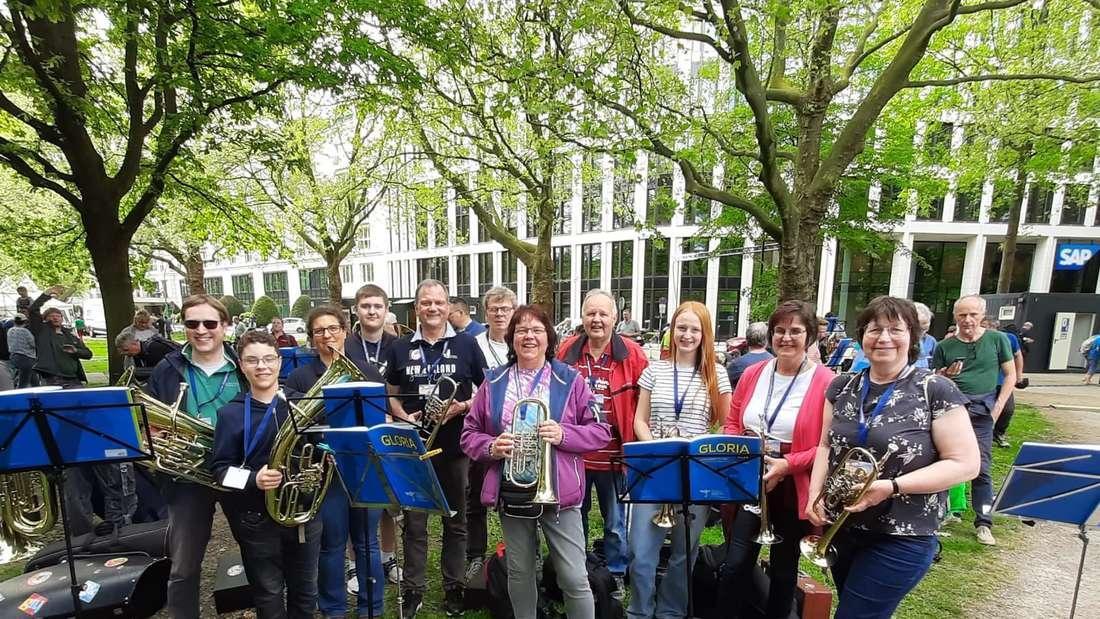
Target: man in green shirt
x,y
973,359
210,370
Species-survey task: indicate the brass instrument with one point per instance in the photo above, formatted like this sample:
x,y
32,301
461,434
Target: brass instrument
x,y
530,464
307,468
28,509
666,516
844,487
435,409
181,444
766,535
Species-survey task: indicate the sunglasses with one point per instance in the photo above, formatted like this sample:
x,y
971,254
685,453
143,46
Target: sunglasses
x,y
209,324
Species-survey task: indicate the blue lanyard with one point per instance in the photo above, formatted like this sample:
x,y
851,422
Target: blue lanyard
x,y
250,441
599,364
534,383
770,421
677,397
864,391
430,371
191,384
377,351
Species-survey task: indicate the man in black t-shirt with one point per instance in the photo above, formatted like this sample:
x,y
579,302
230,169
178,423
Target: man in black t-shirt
x,y
414,364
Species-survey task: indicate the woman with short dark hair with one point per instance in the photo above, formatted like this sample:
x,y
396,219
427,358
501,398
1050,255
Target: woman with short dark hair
x,y
779,400
889,539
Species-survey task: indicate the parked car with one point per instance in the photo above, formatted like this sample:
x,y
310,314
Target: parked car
x,y
294,325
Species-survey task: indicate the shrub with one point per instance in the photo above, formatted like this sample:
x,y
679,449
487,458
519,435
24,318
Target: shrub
x,y
263,310
301,307
233,305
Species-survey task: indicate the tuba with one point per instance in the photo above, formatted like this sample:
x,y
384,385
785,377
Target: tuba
x,y
666,516
435,408
530,462
307,468
842,488
181,444
28,508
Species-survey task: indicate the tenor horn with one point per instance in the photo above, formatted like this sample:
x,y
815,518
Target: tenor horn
x,y
665,517
844,487
530,464
435,409
28,509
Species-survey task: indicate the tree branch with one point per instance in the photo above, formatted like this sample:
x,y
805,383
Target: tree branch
x,y
1008,77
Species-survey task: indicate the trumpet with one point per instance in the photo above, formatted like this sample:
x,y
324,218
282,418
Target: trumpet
x,y
435,409
766,535
665,517
530,464
844,487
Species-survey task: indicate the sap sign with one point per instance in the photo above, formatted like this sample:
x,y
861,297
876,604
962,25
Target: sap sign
x,y
1074,256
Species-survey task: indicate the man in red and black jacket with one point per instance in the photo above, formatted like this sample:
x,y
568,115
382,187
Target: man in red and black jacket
x,y
611,364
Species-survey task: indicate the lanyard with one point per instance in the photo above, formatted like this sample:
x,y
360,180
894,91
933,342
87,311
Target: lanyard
x,y
534,384
770,421
600,363
430,371
191,384
250,441
492,350
864,391
677,397
377,351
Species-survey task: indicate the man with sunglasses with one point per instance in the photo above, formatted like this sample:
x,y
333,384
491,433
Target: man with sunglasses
x,y
974,358
210,369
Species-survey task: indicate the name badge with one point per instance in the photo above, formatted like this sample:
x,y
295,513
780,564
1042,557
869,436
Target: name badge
x,y
236,477
414,354
426,390
599,399
773,447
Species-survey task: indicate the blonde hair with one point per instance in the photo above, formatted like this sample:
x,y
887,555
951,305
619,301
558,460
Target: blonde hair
x,y
705,361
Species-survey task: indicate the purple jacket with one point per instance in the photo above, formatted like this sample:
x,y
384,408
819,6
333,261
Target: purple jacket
x,y
571,405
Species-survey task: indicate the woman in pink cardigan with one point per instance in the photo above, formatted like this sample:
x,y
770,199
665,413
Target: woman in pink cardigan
x,y
781,400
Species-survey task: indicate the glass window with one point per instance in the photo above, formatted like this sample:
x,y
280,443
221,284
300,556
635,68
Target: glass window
x,y
1004,195
859,277
1021,269
509,271
1039,202
937,142
592,195
1081,280
276,286
462,275
729,287
563,277
659,202
693,273
563,195
1074,204
185,290
484,272
622,273
314,284
462,223
933,211
366,272
362,237
967,205
936,277
432,268
655,283
347,274
622,198
214,286
590,267
242,289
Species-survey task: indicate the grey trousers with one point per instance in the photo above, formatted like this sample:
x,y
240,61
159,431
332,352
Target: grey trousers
x,y
116,485
452,478
190,517
565,537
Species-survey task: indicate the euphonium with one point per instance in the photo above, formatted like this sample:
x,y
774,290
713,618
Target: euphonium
x,y
844,487
181,444
435,409
666,516
306,467
27,508
530,462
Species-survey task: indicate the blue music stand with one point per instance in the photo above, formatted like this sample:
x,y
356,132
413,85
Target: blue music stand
x,y
51,430
709,469
1058,483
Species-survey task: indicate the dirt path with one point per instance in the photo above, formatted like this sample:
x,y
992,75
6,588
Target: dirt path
x,y
1047,557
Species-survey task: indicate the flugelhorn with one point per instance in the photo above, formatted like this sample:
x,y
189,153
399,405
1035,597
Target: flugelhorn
x,y
307,467
666,516
435,409
530,464
844,487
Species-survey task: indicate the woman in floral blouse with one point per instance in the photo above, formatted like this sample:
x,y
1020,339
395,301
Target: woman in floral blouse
x,y
889,540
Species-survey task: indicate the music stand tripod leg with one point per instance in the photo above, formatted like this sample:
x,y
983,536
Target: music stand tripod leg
x,y
57,478
1083,535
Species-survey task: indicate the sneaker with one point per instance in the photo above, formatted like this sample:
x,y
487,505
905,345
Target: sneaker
x,y
452,602
1001,441
392,570
620,587
414,601
353,585
951,518
985,536
474,569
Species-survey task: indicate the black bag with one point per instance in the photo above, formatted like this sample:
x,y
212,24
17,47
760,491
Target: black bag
x,y
150,538
496,585
599,580
705,578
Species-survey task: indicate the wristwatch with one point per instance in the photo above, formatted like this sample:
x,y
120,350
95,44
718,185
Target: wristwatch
x,y
897,490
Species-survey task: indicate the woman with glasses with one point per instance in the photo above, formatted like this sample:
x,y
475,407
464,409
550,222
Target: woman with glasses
x,y
888,542
327,328
278,560
571,429
779,400
686,396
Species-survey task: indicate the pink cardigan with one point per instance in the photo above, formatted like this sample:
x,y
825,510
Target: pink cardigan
x,y
807,426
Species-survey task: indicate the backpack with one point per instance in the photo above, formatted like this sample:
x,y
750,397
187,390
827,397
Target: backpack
x,y
599,580
496,585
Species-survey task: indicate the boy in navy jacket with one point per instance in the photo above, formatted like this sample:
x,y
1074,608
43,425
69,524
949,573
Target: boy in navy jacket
x,y
276,558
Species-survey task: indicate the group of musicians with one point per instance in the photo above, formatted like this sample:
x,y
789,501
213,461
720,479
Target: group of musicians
x,y
601,391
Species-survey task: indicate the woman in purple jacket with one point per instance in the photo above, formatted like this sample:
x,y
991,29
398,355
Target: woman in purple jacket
x,y
573,430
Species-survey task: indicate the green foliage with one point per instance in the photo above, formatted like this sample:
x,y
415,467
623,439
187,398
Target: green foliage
x,y
301,307
764,294
263,310
233,305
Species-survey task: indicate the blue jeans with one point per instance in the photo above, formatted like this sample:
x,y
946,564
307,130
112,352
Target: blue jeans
x,y
339,521
874,571
614,517
646,540
981,489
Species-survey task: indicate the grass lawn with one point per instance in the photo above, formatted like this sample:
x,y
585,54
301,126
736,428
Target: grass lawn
x,y
98,363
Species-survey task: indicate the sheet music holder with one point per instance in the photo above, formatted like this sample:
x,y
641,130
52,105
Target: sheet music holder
x,y
50,430
708,469
1058,483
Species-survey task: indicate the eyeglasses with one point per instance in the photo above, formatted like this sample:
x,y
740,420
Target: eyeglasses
x,y
252,362
209,324
331,330
502,309
535,331
794,334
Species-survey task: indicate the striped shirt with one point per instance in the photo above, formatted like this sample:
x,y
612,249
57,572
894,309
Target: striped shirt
x,y
659,380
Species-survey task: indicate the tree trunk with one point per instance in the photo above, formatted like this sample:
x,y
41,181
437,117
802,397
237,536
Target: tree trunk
x,y
335,286
1008,249
110,252
799,256
196,272
541,274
